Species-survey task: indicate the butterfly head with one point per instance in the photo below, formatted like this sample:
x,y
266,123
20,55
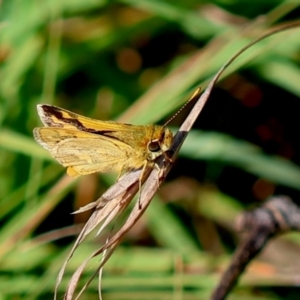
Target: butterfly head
x,y
160,143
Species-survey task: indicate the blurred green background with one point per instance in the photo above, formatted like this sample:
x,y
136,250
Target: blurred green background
x,y
138,62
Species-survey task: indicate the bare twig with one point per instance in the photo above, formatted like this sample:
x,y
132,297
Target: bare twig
x,y
277,215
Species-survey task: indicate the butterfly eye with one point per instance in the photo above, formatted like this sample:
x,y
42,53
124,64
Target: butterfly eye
x,y
154,146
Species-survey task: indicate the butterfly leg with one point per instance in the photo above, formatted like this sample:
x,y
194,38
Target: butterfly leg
x,y
119,174
161,170
140,182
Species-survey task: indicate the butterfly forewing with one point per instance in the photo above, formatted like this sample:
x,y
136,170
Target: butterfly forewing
x,y
137,136
53,116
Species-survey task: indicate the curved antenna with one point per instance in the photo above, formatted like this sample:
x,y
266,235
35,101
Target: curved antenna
x,y
195,96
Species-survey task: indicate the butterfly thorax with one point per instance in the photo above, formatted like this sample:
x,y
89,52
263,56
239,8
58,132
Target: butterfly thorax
x,y
149,141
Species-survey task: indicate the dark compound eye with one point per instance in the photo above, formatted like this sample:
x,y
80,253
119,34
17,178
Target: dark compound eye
x,y
154,146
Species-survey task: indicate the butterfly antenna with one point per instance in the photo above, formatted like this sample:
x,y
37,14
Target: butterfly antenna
x,y
194,97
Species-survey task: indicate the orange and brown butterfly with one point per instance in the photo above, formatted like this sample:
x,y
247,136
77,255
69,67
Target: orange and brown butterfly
x,y
85,145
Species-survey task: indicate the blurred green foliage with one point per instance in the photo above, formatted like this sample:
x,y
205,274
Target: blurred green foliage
x,y
138,61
